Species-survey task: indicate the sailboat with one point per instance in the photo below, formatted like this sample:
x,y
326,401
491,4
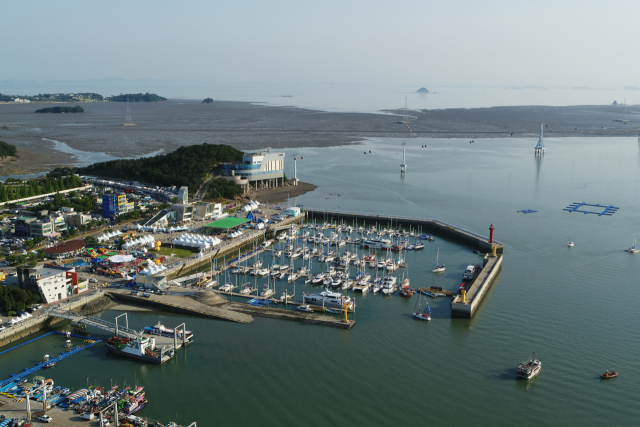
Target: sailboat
x,y
633,249
420,315
437,268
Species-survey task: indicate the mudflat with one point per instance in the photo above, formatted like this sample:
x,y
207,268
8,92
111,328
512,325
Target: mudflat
x,y
168,125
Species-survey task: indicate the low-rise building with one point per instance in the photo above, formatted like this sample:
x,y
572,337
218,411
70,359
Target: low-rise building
x,y
262,169
183,212
76,220
53,283
204,210
293,211
22,225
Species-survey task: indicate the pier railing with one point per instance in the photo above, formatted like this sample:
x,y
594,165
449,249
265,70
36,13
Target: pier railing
x,y
397,217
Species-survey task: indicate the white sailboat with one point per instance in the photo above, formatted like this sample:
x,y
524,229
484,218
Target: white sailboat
x,y
437,268
419,315
633,249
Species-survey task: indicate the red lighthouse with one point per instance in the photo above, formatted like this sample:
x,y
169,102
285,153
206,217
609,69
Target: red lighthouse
x,y
491,233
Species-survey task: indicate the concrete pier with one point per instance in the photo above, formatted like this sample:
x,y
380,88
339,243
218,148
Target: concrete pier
x,y
434,226
478,288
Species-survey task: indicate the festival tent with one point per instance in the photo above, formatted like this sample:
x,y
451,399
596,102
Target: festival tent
x,y
122,258
250,206
108,236
140,241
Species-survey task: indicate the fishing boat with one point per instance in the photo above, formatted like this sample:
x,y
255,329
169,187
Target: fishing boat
x,y
530,368
609,374
422,315
160,330
633,249
437,268
141,348
305,308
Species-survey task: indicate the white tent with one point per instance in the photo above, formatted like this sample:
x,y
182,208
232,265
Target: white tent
x,y
122,258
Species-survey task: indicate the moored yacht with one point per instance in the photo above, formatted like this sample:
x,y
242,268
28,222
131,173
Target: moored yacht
x,y
329,299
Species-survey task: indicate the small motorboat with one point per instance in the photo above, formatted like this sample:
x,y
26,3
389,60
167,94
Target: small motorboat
x,y
306,308
571,244
609,374
50,365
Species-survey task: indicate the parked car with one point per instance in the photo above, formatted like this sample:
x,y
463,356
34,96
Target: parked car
x,y
93,280
134,292
45,419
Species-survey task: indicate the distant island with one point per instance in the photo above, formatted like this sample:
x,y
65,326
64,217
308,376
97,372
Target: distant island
x,y
7,150
137,97
422,90
207,101
52,97
76,109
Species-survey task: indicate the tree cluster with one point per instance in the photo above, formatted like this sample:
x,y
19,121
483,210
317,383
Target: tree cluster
x,y
14,299
36,188
137,97
207,101
7,149
185,166
58,109
220,188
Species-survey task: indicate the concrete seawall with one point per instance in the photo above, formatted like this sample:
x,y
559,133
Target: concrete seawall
x,y
42,321
434,226
479,287
182,305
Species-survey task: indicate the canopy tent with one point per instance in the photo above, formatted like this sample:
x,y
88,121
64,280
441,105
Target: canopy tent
x,y
122,258
153,269
141,241
108,236
180,228
235,233
195,240
251,206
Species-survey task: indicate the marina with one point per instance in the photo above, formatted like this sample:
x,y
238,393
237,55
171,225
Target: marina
x,y
528,294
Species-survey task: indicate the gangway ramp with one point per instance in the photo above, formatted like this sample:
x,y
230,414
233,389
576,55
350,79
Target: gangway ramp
x,y
96,323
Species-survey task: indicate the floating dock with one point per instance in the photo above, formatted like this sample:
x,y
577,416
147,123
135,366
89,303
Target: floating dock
x,y
466,304
40,365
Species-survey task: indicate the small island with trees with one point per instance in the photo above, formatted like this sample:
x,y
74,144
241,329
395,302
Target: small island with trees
x,y
76,109
7,150
422,90
207,101
137,97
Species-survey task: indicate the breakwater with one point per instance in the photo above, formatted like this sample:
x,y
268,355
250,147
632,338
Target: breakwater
x,y
434,226
466,304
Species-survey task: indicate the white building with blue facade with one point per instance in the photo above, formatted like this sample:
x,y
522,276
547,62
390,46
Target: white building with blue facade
x,y
261,170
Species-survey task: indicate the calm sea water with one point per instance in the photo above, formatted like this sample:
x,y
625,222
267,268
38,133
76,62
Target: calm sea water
x,y
576,307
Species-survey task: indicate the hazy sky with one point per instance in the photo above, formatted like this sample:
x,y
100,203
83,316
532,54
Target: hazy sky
x,y
453,42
